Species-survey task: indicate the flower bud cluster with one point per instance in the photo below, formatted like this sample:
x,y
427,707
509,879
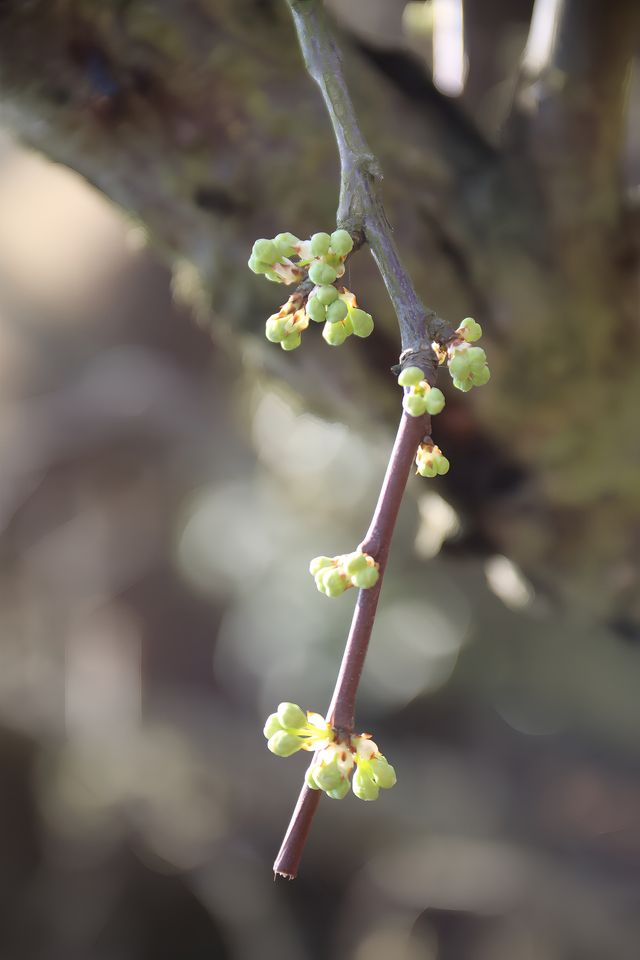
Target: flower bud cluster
x,y
340,314
336,758
321,259
285,327
334,575
430,460
322,256
359,755
290,729
467,364
419,397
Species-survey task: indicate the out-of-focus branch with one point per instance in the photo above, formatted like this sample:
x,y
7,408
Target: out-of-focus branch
x,y
570,109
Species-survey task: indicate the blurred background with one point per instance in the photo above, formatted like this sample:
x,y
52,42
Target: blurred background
x,y
167,475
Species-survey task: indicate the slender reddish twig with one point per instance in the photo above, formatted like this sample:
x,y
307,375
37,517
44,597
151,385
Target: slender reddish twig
x,y
341,711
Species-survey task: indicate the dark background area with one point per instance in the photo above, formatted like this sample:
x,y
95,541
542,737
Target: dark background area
x,y
167,475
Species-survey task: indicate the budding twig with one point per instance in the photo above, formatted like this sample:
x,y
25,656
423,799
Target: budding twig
x,y
360,211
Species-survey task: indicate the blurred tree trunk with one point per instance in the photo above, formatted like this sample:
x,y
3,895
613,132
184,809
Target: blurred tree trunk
x,y
196,118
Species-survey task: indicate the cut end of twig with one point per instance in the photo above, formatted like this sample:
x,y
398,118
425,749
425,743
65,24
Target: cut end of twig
x,y
284,876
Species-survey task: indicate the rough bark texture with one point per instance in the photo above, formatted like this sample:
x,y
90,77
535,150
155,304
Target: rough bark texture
x,y
196,117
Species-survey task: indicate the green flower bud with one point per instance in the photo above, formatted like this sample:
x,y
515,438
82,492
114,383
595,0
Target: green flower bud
x,y
284,744
309,779
427,467
341,242
292,341
434,401
320,243
258,266
364,579
482,377
291,717
266,250
459,365
275,329
464,385
286,244
362,323
383,773
354,563
328,776
442,466
334,334
477,359
316,310
340,791
326,294
470,330
410,377
331,582
322,274
363,785
272,725
337,311
414,404
320,563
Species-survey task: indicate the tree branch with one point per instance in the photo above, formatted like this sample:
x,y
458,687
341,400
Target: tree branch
x,y
360,210
376,542
569,113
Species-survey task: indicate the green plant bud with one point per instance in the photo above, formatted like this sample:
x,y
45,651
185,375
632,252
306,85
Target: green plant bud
x,y
364,579
459,365
326,294
272,725
383,773
309,779
362,323
320,243
442,466
320,563
470,330
331,581
427,468
354,563
464,385
348,326
334,334
482,377
340,792
434,401
273,276
316,310
337,311
328,776
477,359
258,266
341,242
292,341
284,744
410,377
286,244
266,250
275,329
291,716
322,273
414,404
363,785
